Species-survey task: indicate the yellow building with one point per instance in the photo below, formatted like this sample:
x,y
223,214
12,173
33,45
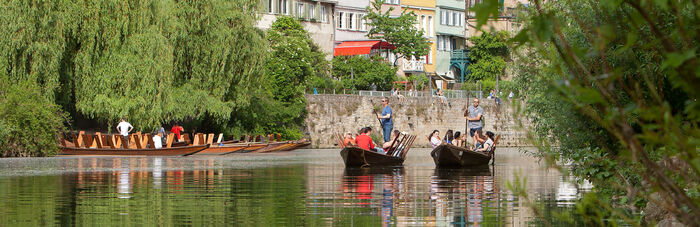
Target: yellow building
x,y
425,13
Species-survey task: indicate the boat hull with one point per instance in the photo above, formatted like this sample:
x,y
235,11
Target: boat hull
x,y
358,157
229,148
447,155
173,151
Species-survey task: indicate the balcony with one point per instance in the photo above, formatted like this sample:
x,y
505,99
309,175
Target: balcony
x,y
412,65
459,55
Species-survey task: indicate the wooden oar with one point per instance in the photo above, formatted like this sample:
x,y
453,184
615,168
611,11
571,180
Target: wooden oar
x,y
376,114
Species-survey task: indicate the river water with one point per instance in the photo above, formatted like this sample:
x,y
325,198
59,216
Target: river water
x,y
298,188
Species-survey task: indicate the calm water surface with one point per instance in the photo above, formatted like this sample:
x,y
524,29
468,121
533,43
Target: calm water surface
x,y
303,187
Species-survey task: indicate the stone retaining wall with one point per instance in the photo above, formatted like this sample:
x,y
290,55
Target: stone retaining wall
x,y
330,114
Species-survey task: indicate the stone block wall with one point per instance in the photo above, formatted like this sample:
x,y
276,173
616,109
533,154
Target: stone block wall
x,y
330,114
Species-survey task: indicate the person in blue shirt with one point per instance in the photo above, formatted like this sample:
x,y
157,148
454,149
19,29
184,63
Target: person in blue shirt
x,y
387,120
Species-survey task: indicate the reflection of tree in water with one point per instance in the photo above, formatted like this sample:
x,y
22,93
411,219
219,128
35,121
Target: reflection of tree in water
x,y
458,195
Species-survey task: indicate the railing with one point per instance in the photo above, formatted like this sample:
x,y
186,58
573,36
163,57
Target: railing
x,y
450,94
413,65
459,54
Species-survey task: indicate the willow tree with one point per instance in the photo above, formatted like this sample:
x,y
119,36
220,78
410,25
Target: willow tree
x,y
218,57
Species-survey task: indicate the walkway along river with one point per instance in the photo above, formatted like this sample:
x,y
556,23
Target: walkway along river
x,y
303,187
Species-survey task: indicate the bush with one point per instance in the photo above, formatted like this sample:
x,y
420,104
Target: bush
x,y
366,71
30,124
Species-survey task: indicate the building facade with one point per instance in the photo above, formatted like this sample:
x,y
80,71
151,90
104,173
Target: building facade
x,y
425,15
450,39
317,17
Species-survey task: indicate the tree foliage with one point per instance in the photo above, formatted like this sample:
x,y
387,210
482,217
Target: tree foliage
x,y
399,31
150,61
614,83
489,53
280,107
30,123
361,72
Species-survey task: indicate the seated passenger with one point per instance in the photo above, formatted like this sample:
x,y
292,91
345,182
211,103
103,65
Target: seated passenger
x,y
394,137
488,145
349,141
364,141
449,137
458,141
434,139
479,139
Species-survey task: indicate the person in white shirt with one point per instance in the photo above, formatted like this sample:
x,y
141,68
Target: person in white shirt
x,y
157,141
435,139
124,128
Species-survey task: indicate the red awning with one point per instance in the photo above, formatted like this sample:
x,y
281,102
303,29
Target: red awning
x,y
360,47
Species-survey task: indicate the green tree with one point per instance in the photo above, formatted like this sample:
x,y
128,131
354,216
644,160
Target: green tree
x,y
399,31
30,122
360,72
614,83
280,107
489,53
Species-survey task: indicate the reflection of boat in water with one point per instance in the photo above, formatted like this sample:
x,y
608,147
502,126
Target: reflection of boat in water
x,y
354,171
458,195
460,173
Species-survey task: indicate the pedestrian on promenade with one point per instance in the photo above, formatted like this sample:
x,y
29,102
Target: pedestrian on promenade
x,y
124,128
474,116
386,120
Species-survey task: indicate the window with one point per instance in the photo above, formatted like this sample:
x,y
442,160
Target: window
x,y
430,57
340,19
364,24
439,42
430,26
312,13
359,21
300,10
351,25
422,25
447,17
270,6
324,11
454,18
395,2
453,43
442,16
282,7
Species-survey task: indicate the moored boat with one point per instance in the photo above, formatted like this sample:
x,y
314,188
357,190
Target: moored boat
x,y
230,148
172,151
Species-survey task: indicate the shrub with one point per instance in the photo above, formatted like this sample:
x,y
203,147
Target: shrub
x,y
30,124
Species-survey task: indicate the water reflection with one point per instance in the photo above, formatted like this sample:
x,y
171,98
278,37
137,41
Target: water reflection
x,y
307,187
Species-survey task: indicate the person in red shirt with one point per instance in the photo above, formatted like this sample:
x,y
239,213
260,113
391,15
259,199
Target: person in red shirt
x,y
364,141
177,129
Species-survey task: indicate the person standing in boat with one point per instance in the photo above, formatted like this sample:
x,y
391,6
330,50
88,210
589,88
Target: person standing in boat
x,y
387,120
474,114
124,128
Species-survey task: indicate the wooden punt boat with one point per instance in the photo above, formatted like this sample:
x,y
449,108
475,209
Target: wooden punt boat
x,y
358,157
138,144
296,145
447,155
230,148
272,147
172,151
